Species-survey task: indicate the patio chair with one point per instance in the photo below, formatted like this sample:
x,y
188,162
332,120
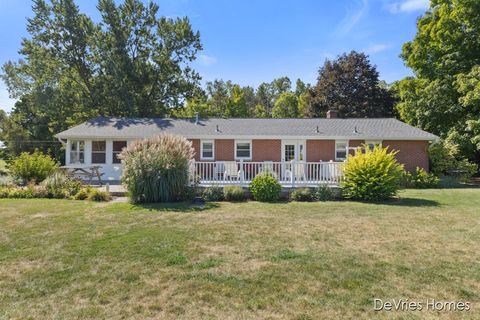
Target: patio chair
x,y
231,170
299,168
267,167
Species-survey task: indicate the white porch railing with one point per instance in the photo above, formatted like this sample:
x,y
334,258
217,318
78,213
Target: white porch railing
x,y
289,174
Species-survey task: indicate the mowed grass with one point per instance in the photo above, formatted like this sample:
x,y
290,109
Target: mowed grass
x,y
64,259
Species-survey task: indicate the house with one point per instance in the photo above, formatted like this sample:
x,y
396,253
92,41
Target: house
x,y
232,150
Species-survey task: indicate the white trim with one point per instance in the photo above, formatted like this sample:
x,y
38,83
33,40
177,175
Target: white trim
x,y
243,141
92,152
346,149
297,143
77,143
253,137
201,149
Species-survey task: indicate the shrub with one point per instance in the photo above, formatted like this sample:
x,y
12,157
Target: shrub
x,y
265,187
83,193
156,169
59,185
33,167
371,174
420,179
302,194
324,193
233,193
97,195
213,193
445,159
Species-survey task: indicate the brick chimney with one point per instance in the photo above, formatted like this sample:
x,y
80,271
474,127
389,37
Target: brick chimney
x,y
332,114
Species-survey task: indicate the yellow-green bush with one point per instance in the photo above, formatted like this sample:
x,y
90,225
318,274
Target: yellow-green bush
x,y
156,169
371,174
33,167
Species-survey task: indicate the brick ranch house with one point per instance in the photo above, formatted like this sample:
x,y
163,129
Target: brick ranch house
x,y
297,151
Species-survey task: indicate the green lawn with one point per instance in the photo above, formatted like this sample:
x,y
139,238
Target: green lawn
x,y
63,259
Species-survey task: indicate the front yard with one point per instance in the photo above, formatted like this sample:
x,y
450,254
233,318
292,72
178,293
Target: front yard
x,y
63,259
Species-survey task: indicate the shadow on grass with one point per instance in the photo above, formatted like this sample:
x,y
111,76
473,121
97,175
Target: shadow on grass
x,y
408,202
176,206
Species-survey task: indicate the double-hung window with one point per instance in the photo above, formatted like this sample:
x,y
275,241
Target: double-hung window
x,y
99,151
341,150
207,150
243,149
118,146
77,151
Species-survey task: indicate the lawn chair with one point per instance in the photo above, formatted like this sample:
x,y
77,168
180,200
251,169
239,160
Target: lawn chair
x,y
231,170
267,167
298,168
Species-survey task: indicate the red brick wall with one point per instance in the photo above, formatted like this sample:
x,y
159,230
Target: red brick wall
x,y
196,147
224,150
412,153
266,150
323,150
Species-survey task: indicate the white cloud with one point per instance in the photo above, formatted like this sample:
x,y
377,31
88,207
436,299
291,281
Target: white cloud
x,y
409,6
206,60
352,17
375,48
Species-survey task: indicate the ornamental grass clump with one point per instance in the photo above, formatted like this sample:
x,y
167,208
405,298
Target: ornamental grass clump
x,y
156,169
371,175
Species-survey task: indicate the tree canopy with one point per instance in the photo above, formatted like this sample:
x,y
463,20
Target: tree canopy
x,y
132,63
350,84
444,95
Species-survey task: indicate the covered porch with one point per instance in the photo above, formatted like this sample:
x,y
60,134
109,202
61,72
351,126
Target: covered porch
x,y
288,173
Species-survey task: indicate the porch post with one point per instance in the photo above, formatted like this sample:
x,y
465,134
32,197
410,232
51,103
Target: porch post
x,y
294,167
242,177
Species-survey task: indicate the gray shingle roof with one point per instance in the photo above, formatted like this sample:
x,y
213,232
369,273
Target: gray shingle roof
x,y
381,129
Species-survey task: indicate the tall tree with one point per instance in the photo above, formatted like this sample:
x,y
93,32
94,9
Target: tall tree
x,y
131,63
286,106
443,97
351,86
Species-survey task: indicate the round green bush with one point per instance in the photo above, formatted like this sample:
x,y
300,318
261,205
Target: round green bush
x,y
265,187
33,167
371,175
157,169
233,193
302,194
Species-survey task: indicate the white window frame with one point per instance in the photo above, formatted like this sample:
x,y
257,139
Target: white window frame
x,y
374,142
201,149
251,149
77,143
337,142
94,152
116,153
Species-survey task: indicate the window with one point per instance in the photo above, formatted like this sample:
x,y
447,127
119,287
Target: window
x,y
372,143
341,150
77,151
243,150
117,149
99,149
207,150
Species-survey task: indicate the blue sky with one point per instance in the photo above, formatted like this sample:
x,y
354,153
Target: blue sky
x,y
250,42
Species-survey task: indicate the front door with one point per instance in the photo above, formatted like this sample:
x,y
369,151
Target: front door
x,y
293,150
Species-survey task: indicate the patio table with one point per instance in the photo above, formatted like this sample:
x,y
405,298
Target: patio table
x,y
84,170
